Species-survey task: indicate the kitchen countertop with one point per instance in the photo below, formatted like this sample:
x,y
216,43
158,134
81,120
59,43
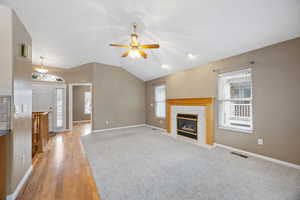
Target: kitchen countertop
x,y
4,132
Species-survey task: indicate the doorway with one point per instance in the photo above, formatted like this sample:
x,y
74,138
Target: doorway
x,y
80,103
51,98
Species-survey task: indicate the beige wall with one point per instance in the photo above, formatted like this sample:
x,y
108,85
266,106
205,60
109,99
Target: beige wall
x,y
78,103
118,96
6,51
18,83
80,74
276,86
21,137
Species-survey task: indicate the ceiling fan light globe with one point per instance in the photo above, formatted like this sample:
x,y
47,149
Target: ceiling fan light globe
x,y
134,54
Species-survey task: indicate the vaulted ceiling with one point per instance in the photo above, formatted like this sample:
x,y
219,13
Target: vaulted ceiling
x,y
74,32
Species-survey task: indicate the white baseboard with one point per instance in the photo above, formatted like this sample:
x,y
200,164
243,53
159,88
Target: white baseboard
x,y
151,126
288,164
23,181
81,121
117,128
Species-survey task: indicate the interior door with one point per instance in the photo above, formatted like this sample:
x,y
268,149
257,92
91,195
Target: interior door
x,y
43,101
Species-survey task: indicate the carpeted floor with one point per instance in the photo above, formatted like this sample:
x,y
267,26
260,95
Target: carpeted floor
x,y
141,164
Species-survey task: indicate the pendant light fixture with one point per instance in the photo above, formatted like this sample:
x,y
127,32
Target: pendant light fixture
x,y
41,69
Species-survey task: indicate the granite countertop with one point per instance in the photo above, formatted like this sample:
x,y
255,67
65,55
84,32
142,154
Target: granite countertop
x,y
4,132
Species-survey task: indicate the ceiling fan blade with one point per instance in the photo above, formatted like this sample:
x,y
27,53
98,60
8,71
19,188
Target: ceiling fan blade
x,y
126,53
120,45
149,46
142,53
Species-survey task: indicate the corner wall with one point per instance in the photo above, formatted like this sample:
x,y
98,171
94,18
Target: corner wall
x,y
22,94
276,86
118,97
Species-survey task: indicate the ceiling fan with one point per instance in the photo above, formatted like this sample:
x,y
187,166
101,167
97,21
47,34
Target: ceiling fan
x,y
135,48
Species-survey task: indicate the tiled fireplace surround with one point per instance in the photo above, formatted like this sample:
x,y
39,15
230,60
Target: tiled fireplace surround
x,y
198,110
203,107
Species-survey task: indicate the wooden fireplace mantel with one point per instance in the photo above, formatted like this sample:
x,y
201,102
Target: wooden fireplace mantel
x,y
207,102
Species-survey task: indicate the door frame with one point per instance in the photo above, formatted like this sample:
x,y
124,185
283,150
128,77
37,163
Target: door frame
x,y
71,86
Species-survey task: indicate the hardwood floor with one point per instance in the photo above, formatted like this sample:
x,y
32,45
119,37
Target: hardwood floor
x,y
63,172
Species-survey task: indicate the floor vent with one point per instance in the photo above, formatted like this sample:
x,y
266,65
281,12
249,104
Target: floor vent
x,y
154,129
238,154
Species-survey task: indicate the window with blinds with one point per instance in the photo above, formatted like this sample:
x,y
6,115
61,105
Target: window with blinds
x,y
235,100
160,101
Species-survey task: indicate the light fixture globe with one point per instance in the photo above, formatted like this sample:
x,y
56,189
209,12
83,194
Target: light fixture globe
x,y
134,53
41,69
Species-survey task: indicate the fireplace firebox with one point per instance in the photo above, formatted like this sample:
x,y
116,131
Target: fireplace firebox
x,y
187,125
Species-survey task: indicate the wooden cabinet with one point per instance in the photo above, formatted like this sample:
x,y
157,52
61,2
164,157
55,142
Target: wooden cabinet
x,y
40,132
3,165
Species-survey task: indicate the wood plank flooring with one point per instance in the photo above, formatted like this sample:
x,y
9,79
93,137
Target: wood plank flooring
x,y
63,172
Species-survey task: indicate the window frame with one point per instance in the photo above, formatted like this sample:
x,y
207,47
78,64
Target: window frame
x,y
85,106
222,100
155,102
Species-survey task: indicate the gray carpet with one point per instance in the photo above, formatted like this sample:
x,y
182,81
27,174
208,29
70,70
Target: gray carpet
x,y
139,163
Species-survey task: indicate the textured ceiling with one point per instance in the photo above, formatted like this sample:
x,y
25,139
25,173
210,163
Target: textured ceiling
x,y
73,32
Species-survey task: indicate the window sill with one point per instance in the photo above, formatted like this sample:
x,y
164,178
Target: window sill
x,y
236,129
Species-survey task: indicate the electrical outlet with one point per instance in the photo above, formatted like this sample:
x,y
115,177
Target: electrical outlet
x,y
106,122
161,121
260,141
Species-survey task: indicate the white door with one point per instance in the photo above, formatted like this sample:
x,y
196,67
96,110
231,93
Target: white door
x,y
50,98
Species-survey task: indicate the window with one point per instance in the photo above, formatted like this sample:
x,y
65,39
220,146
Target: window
x,y
59,110
235,100
160,101
87,103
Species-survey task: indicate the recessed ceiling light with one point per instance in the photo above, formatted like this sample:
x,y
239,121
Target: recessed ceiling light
x,y
164,66
191,56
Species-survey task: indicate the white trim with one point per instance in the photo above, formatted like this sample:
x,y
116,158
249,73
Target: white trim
x,y
81,121
47,83
14,195
151,126
240,130
117,128
288,164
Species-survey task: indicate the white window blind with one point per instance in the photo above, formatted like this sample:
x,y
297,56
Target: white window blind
x,y
235,100
87,103
160,101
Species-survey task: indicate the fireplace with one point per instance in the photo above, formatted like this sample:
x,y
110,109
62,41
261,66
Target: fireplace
x,y
187,125
203,130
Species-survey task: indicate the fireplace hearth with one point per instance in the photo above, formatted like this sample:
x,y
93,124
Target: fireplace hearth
x,y
187,125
